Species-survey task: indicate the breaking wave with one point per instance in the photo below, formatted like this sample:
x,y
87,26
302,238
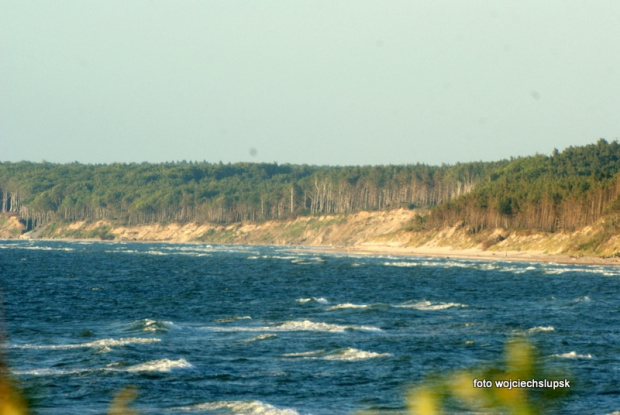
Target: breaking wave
x,y
401,264
239,408
51,372
303,354
428,305
94,344
351,355
347,305
163,365
319,300
342,355
304,325
541,328
265,336
572,355
35,247
307,261
151,326
231,319
307,325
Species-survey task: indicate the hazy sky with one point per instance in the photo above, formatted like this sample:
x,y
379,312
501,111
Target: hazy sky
x,y
317,82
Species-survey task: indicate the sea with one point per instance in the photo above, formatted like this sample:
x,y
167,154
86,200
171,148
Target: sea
x,y
221,329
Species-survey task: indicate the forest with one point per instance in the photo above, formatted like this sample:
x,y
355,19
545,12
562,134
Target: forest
x,y
222,193
564,190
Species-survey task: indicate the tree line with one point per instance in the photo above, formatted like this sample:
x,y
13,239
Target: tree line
x,y
566,190
223,193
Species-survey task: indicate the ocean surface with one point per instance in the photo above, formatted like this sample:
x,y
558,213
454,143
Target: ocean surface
x,y
215,329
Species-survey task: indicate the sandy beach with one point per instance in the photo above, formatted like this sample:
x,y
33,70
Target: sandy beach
x,y
447,252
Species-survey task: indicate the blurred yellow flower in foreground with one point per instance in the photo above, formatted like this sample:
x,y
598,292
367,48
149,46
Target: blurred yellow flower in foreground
x,y
519,386
11,401
121,403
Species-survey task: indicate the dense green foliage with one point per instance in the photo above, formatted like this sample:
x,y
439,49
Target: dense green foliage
x,y
222,193
562,191
565,190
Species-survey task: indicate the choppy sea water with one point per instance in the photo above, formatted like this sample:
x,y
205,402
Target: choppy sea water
x,y
210,329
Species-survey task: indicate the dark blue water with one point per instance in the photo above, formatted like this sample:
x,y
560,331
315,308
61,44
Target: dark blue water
x,y
268,330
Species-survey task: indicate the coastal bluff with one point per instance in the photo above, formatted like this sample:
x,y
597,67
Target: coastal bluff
x,y
394,231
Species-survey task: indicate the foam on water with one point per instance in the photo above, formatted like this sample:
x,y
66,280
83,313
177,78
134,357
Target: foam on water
x,y
151,326
303,354
95,344
346,305
401,264
265,336
428,305
344,355
471,264
609,271
36,248
51,372
540,328
304,325
239,408
162,365
307,325
162,253
231,319
307,260
351,355
283,257
572,355
319,300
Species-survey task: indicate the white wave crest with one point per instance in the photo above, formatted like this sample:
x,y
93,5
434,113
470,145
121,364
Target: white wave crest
x,y
307,261
601,270
51,372
305,325
231,319
96,344
344,355
346,305
428,305
401,264
319,300
163,365
151,326
36,248
265,336
572,355
541,328
240,408
303,354
351,355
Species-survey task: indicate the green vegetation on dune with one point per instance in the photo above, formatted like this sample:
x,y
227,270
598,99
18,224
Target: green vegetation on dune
x,y
560,193
222,193
563,191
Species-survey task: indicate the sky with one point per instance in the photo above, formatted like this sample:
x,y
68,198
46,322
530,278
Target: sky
x,y
333,82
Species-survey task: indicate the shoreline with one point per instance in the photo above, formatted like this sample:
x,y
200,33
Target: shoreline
x,y
382,249
448,252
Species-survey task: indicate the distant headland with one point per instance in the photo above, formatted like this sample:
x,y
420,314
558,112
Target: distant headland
x,y
565,206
